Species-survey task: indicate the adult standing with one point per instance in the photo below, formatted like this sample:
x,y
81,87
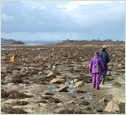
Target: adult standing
x,y
105,58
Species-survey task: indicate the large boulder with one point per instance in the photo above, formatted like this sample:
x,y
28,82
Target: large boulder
x,y
79,84
112,107
57,80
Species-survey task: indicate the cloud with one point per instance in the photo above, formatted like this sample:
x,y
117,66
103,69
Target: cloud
x,y
71,6
5,17
43,8
84,17
33,7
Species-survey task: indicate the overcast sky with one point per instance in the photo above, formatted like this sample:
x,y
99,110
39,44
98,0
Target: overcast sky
x,y
60,20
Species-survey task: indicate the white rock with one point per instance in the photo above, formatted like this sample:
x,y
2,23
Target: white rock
x,y
79,84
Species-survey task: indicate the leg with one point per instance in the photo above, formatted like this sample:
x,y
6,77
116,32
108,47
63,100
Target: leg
x,y
101,78
97,81
104,76
94,80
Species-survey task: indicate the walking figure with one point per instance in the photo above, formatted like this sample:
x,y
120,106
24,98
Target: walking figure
x,y
96,67
105,58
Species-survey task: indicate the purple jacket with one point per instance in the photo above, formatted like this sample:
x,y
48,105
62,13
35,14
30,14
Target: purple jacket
x,y
96,65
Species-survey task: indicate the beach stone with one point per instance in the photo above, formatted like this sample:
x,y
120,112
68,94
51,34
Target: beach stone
x,y
87,108
77,76
46,92
50,75
99,110
108,73
116,84
31,68
40,73
63,89
3,58
4,68
15,72
119,65
23,70
61,77
75,80
79,84
57,80
102,100
112,106
8,79
84,103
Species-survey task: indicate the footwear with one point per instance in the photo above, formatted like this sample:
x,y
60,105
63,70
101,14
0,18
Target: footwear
x,y
103,81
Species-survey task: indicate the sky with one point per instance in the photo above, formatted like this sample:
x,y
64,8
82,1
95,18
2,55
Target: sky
x,y
61,20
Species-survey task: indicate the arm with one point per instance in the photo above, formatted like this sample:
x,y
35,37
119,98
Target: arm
x,y
108,59
102,66
90,66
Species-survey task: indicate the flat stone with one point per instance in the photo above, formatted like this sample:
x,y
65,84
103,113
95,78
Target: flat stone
x,y
79,84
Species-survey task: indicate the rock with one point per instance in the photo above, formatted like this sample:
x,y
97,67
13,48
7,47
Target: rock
x,y
50,75
79,84
61,77
80,91
46,92
23,70
120,99
4,68
102,100
72,102
80,97
84,103
116,84
63,89
112,106
32,68
40,73
108,73
87,108
75,80
3,58
8,79
57,80
119,65
77,76
53,67
71,81
15,72
98,110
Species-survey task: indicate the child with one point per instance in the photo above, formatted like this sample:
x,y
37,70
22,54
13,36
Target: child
x,y
13,58
96,67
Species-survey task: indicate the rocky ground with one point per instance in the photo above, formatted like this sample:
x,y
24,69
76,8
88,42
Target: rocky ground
x,y
54,79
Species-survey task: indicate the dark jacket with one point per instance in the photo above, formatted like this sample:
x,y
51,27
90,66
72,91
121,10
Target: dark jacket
x,y
105,58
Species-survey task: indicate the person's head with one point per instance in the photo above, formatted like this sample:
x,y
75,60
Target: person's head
x,y
104,47
15,55
96,53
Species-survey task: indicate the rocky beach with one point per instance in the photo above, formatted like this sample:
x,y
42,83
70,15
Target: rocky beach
x,y
55,79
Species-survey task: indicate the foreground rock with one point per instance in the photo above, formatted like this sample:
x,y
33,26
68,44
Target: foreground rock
x,y
112,107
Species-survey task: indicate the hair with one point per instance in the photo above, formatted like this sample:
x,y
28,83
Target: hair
x,y
15,55
96,54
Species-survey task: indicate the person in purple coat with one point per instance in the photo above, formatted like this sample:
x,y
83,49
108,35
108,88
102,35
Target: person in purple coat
x,y
96,67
